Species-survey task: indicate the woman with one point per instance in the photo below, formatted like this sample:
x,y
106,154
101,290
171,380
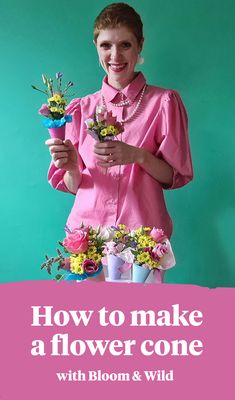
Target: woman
x,y
151,154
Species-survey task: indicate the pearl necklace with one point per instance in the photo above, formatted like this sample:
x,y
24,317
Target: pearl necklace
x,y
135,109
122,103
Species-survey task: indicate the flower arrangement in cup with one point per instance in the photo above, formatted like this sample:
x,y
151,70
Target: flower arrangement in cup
x,y
55,109
103,126
119,251
120,243
84,249
152,249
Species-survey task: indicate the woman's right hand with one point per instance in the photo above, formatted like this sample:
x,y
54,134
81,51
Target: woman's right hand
x,y
64,154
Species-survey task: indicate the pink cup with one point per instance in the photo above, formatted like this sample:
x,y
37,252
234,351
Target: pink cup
x,y
57,133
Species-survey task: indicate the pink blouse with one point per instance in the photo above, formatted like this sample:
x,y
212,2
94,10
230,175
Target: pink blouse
x,y
127,194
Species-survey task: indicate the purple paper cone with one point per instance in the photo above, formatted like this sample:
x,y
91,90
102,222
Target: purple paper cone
x,y
114,263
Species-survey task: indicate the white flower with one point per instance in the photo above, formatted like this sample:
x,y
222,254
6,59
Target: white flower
x,y
100,109
106,234
127,255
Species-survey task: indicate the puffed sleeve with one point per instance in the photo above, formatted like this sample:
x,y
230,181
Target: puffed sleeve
x,y
174,144
56,175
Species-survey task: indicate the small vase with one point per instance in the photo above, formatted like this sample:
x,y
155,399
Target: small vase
x,y
57,133
139,274
114,263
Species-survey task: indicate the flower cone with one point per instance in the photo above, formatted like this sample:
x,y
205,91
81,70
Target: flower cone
x,y
114,264
139,274
57,133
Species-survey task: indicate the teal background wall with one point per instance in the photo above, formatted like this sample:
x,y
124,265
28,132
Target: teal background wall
x,y
189,46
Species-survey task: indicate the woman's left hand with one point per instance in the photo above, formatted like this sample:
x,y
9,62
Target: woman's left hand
x,y
114,152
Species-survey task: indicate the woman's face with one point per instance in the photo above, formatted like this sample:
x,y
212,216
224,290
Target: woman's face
x,y
118,51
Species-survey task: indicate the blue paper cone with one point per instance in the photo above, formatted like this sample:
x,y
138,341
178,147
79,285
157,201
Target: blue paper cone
x,y
75,277
139,274
114,263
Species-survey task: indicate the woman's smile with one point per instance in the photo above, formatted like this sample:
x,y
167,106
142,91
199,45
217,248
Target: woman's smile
x,y
117,67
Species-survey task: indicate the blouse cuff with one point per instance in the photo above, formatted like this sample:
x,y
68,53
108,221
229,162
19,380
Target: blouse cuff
x,y
56,178
178,180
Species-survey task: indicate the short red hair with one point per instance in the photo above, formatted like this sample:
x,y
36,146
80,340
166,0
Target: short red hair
x,y
116,15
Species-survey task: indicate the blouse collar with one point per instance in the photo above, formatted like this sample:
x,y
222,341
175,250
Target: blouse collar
x,y
130,91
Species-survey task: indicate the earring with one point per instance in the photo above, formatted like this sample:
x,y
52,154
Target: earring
x,y
140,60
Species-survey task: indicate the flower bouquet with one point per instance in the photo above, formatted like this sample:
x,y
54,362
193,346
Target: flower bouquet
x,y
85,247
152,251
55,109
103,126
118,250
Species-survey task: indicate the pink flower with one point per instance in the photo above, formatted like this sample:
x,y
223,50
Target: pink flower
x,y
168,260
152,254
119,127
76,242
90,266
159,250
102,115
158,235
44,110
110,120
113,248
65,264
106,117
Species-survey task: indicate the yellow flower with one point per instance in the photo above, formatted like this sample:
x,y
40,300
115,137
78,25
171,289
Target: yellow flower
x,y
104,132
97,258
138,232
145,241
143,257
61,110
152,264
117,235
122,226
147,229
92,249
76,264
112,130
57,98
54,109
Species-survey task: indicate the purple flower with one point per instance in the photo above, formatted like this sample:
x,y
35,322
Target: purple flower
x,y
44,110
70,83
58,75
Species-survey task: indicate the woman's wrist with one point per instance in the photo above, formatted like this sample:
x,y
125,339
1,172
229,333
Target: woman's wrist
x,y
158,168
72,180
141,156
